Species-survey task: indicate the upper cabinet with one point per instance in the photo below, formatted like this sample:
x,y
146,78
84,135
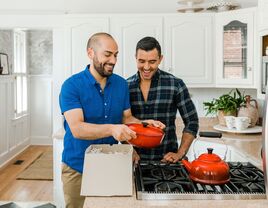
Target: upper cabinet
x,y
205,50
235,49
78,29
262,15
188,48
128,30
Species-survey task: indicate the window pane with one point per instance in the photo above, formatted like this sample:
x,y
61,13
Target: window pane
x,y
24,93
19,52
23,53
16,53
235,50
19,94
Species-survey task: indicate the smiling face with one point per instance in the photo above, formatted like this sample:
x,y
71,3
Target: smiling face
x,y
147,63
103,54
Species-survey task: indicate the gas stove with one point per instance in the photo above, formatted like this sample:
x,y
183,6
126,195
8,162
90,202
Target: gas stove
x,y
156,180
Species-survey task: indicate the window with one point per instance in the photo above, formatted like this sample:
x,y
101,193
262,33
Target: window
x,y
20,72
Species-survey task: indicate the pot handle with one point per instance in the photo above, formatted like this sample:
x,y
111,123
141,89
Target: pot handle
x,y
210,134
145,124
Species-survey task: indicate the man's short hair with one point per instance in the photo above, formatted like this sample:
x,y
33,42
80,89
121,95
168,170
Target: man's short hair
x,y
93,41
148,44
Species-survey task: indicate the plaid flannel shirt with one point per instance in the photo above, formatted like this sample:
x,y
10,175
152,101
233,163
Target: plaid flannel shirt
x,y
167,95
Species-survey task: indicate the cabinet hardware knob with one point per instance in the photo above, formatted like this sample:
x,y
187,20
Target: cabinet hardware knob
x,y
249,69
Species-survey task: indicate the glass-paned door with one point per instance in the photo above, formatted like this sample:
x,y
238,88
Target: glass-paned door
x,y
235,50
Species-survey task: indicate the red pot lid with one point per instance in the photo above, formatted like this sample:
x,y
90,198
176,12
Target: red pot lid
x,y
146,130
209,157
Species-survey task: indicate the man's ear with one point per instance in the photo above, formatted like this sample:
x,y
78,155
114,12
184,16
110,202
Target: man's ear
x,y
90,53
160,59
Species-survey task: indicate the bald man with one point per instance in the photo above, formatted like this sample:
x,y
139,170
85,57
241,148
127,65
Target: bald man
x,y
95,103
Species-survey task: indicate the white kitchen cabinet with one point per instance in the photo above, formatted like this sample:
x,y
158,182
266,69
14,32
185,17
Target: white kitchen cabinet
x,y
78,29
189,48
235,31
128,30
263,15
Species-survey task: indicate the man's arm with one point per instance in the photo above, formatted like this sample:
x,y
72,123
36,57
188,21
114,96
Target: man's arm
x,y
89,131
190,119
186,142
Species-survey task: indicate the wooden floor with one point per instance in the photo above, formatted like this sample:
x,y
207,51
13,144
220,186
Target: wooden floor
x,y
24,190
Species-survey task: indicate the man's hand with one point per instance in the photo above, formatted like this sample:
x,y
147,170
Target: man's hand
x,y
155,123
135,157
122,132
173,157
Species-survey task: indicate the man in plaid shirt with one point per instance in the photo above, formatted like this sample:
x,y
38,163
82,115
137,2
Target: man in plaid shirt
x,y
156,94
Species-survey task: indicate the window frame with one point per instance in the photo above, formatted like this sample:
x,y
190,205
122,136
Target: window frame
x,y
20,73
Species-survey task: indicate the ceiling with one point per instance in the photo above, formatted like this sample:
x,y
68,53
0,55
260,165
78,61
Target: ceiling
x,y
100,6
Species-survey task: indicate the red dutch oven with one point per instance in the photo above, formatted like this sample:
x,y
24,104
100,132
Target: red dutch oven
x,y
208,168
147,136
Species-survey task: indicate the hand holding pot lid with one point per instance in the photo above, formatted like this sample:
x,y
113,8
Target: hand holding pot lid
x,y
122,133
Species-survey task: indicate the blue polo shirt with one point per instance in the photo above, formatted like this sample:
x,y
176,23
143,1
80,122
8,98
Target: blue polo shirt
x,y
99,107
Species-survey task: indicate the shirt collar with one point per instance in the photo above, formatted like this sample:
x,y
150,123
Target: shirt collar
x,y
92,79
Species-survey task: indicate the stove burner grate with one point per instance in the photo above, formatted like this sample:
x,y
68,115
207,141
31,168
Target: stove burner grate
x,y
157,177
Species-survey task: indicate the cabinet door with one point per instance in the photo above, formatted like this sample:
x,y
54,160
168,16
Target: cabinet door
x,y
78,31
188,48
234,49
263,15
128,31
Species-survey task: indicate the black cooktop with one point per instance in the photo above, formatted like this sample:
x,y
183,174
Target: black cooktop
x,y
157,177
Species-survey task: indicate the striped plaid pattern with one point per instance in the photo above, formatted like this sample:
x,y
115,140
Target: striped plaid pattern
x,y
167,95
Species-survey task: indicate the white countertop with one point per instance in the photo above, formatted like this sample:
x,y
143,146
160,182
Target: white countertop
x,y
120,202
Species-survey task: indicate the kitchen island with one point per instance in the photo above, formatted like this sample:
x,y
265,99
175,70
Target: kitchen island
x,y
247,144
124,202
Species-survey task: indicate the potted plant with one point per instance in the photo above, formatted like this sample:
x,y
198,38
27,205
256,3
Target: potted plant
x,y
226,104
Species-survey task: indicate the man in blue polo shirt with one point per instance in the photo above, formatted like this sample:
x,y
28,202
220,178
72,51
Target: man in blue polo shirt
x,y
95,103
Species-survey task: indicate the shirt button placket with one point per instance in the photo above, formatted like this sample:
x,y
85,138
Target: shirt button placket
x,y
105,110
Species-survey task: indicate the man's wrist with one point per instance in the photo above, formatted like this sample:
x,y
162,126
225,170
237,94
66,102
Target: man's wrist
x,y
181,153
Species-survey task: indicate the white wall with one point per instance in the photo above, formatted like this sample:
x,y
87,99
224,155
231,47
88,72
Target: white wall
x,y
41,109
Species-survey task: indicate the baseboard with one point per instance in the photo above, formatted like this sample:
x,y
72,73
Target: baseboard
x,y
13,152
41,140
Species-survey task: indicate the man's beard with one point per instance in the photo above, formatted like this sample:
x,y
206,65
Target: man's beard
x,y
100,68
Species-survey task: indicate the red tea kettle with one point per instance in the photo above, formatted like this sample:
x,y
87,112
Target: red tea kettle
x,y
208,168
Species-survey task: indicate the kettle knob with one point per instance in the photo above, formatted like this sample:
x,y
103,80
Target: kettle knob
x,y
210,150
